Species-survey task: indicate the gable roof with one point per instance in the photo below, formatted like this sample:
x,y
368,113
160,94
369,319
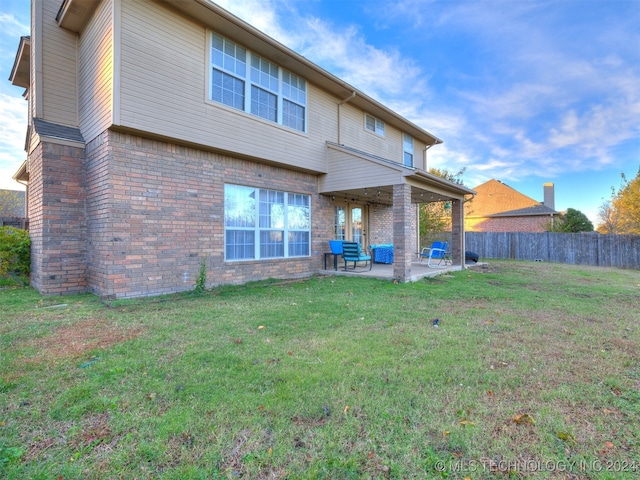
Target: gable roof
x,y
494,197
497,199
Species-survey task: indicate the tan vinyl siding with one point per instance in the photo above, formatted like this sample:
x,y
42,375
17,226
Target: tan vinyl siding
x,y
164,91
59,67
351,171
34,62
96,72
355,135
418,154
322,117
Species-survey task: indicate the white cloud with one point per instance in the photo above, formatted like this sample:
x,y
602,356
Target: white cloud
x,y
383,74
13,111
266,16
11,26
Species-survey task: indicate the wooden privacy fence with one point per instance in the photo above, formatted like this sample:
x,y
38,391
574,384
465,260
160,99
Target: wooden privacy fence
x,y
620,251
17,222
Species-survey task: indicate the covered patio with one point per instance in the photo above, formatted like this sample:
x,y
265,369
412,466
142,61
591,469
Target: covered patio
x,y
368,179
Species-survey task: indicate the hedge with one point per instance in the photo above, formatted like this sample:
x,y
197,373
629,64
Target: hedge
x,y
15,251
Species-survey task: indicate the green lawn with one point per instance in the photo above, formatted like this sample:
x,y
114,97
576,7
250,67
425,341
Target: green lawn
x,y
533,372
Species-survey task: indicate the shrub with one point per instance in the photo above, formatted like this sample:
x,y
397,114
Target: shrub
x,y
201,281
15,251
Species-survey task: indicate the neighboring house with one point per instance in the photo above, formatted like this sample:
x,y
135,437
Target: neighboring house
x,y
163,134
497,207
12,203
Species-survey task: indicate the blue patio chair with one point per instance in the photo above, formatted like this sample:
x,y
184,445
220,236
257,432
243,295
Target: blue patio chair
x,y
336,247
352,252
437,252
336,250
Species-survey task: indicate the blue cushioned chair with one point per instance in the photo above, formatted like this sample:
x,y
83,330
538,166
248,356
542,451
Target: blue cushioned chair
x,y
352,252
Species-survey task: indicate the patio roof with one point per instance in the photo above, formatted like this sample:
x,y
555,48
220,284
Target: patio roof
x,y
369,179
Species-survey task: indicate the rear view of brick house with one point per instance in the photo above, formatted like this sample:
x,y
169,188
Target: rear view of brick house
x,y
165,134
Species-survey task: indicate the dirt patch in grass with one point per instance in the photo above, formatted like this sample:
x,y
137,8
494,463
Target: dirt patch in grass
x,y
254,447
483,267
92,433
72,341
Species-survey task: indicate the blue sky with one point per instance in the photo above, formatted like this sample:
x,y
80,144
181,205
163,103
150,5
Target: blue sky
x,y
525,92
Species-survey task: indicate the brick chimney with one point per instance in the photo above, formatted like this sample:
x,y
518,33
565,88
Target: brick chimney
x,y
549,195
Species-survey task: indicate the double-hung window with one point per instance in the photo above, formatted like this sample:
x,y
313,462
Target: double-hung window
x,y
244,80
264,88
294,93
261,223
407,149
229,62
374,125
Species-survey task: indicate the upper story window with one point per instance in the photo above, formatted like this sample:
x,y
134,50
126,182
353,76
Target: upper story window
x,y
407,149
262,89
374,125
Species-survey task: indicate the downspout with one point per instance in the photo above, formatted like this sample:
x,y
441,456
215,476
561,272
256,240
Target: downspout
x,y
348,99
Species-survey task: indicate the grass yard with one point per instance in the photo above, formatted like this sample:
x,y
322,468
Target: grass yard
x,y
532,372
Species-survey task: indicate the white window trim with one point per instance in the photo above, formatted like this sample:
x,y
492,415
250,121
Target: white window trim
x,y
248,83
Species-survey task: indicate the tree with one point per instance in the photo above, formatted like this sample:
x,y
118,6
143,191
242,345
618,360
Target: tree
x,y
452,177
626,203
11,203
435,217
572,221
609,219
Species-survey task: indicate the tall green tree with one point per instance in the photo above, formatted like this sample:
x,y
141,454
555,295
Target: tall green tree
x,y
572,221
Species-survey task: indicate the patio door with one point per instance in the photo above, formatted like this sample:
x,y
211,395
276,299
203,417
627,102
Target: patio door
x,y
350,223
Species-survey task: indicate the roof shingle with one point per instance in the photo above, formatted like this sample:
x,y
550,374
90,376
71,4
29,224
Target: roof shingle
x,y
54,130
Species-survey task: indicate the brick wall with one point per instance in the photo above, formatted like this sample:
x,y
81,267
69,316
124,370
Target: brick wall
x,y
131,216
156,210
380,224
57,225
510,224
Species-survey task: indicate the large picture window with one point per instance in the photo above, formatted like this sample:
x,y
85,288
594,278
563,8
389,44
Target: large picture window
x,y
264,89
261,224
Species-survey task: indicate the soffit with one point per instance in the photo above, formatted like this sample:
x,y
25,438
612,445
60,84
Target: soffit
x,y
20,73
22,175
74,14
